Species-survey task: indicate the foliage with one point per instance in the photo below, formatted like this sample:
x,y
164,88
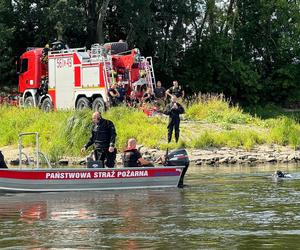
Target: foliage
x,y
235,138
215,108
285,132
246,49
65,132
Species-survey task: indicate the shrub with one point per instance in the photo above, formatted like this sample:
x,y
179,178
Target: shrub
x,y
216,109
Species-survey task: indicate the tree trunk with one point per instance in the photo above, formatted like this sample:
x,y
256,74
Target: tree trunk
x,y
229,12
202,25
211,7
101,16
91,13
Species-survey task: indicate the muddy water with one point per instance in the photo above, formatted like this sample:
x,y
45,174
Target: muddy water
x,y
222,208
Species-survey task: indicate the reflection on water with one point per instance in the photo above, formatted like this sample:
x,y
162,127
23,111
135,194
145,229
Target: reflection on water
x,y
228,207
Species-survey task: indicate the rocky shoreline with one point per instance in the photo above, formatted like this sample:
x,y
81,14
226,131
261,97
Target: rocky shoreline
x,y
236,156
210,156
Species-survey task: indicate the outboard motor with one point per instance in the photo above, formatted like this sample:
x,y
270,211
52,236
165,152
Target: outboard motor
x,y
2,161
178,157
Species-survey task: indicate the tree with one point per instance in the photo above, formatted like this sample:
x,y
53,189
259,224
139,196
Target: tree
x,y
7,30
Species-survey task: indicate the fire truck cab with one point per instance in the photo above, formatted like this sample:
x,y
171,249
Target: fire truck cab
x,y
67,78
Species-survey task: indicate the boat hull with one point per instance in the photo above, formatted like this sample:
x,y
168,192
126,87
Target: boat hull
x,y
56,180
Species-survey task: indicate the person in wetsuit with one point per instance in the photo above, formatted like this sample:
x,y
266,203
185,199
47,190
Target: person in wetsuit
x,y
173,110
103,137
132,157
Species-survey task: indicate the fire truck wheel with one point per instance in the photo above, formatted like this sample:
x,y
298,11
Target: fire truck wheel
x,y
83,103
47,105
98,105
28,102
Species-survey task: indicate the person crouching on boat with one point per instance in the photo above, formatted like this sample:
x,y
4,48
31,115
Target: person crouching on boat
x,y
2,161
103,137
132,157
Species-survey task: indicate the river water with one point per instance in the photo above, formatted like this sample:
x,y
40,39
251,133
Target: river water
x,y
221,208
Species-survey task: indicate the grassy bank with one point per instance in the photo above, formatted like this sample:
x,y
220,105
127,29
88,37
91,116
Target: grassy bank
x,y
65,132
209,121
238,128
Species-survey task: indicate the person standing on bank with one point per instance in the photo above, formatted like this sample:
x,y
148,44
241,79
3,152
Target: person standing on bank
x,y
159,91
173,110
103,137
176,90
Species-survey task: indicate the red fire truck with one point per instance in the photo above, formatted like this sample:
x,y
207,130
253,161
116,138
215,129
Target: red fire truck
x,y
64,78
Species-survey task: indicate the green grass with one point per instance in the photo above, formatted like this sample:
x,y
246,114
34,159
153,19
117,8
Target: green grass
x,y
284,131
63,133
232,139
279,127
214,109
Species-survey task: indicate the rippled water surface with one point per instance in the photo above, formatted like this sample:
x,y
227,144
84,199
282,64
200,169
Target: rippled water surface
x,y
222,208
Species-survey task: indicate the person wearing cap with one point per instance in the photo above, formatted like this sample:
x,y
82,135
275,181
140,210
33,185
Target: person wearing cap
x,y
103,137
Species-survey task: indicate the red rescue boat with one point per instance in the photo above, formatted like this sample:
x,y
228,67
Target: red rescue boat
x,y
84,179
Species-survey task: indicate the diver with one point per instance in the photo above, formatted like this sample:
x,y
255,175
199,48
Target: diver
x,y
280,174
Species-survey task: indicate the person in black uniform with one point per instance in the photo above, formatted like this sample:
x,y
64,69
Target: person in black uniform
x,y
176,90
132,157
2,161
103,137
173,110
114,95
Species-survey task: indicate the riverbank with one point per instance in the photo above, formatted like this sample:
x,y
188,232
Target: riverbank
x,y
212,130
235,156
212,156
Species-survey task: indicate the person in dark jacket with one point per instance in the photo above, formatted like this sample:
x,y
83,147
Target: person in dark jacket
x,y
173,110
159,91
176,90
114,95
132,157
2,161
103,137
